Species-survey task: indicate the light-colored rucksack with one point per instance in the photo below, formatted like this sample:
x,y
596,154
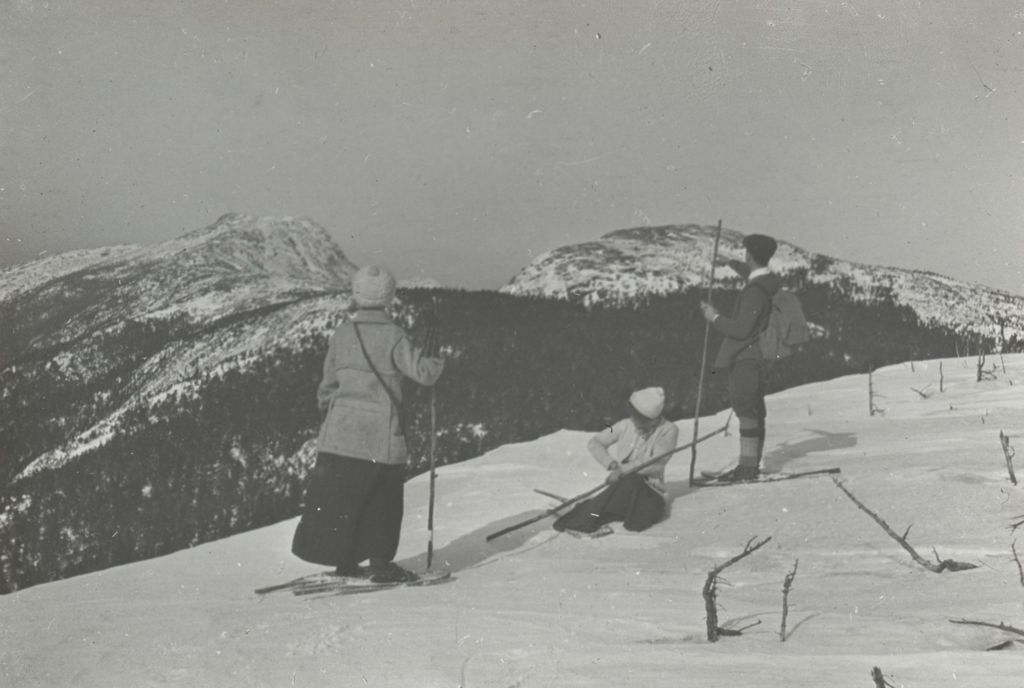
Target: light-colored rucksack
x,y
786,330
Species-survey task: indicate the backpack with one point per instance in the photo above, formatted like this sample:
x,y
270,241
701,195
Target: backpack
x,y
786,330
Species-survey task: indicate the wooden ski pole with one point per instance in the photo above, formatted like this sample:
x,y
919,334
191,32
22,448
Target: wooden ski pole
x,y
433,477
433,468
703,357
580,497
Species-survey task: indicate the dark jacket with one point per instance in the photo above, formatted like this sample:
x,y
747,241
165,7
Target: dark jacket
x,y
361,421
749,318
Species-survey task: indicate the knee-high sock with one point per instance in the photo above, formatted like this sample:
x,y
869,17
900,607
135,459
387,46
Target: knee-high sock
x,y
750,442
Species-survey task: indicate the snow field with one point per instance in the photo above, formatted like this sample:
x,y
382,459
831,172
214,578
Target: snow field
x,y
535,608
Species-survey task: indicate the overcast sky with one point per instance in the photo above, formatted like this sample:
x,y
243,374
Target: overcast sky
x,y
457,140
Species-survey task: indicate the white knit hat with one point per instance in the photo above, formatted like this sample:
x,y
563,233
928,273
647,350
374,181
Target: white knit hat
x,y
373,287
649,402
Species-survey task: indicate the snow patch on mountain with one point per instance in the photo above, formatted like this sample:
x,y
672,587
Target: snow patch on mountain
x,y
179,369
212,301
22,278
627,265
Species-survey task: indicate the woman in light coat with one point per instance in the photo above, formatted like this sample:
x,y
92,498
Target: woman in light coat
x,y
638,498
355,495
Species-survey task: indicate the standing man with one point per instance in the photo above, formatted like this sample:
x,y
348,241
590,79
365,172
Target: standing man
x,y
740,358
354,498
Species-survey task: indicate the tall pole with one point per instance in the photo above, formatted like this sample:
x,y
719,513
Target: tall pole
x,y
433,452
433,474
703,357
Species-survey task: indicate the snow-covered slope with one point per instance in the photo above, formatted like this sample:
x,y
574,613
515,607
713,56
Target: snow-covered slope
x,y
537,609
627,264
129,326
19,279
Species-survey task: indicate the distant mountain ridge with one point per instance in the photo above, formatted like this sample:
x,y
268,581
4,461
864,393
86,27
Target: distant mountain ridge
x,y
130,324
625,265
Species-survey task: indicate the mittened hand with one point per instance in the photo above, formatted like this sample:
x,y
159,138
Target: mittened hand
x,y
709,311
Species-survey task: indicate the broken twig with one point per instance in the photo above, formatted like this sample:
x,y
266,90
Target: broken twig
x,y
879,679
999,626
1009,453
942,565
924,394
1016,558
711,589
787,583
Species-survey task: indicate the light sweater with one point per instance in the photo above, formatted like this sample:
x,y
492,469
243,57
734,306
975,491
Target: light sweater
x,y
622,443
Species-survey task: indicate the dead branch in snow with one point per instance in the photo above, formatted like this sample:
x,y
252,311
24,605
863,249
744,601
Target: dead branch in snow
x,y
942,379
872,407
999,626
710,591
942,565
982,373
1008,453
1016,559
787,583
879,679
923,392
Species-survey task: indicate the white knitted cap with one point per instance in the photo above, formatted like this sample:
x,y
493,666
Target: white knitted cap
x,y
649,402
373,287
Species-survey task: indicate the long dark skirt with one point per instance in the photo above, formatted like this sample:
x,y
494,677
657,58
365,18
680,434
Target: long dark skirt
x,y
630,500
352,512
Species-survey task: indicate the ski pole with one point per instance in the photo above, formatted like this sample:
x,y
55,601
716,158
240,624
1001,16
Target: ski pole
x,y
433,476
703,357
433,472
580,497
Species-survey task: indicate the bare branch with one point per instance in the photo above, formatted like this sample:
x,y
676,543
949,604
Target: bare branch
x,y
982,373
1009,453
924,394
710,591
879,679
787,583
1000,626
1016,558
943,565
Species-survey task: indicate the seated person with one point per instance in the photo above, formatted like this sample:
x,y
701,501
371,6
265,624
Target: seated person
x,y
638,498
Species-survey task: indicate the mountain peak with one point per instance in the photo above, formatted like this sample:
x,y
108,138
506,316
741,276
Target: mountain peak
x,y
626,265
296,248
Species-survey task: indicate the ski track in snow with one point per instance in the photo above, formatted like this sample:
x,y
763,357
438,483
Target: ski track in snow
x,y
535,608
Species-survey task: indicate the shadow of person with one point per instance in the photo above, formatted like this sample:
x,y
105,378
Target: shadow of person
x,y
782,454
677,489
473,549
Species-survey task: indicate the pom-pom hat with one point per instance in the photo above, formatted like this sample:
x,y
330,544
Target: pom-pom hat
x,y
648,402
373,287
